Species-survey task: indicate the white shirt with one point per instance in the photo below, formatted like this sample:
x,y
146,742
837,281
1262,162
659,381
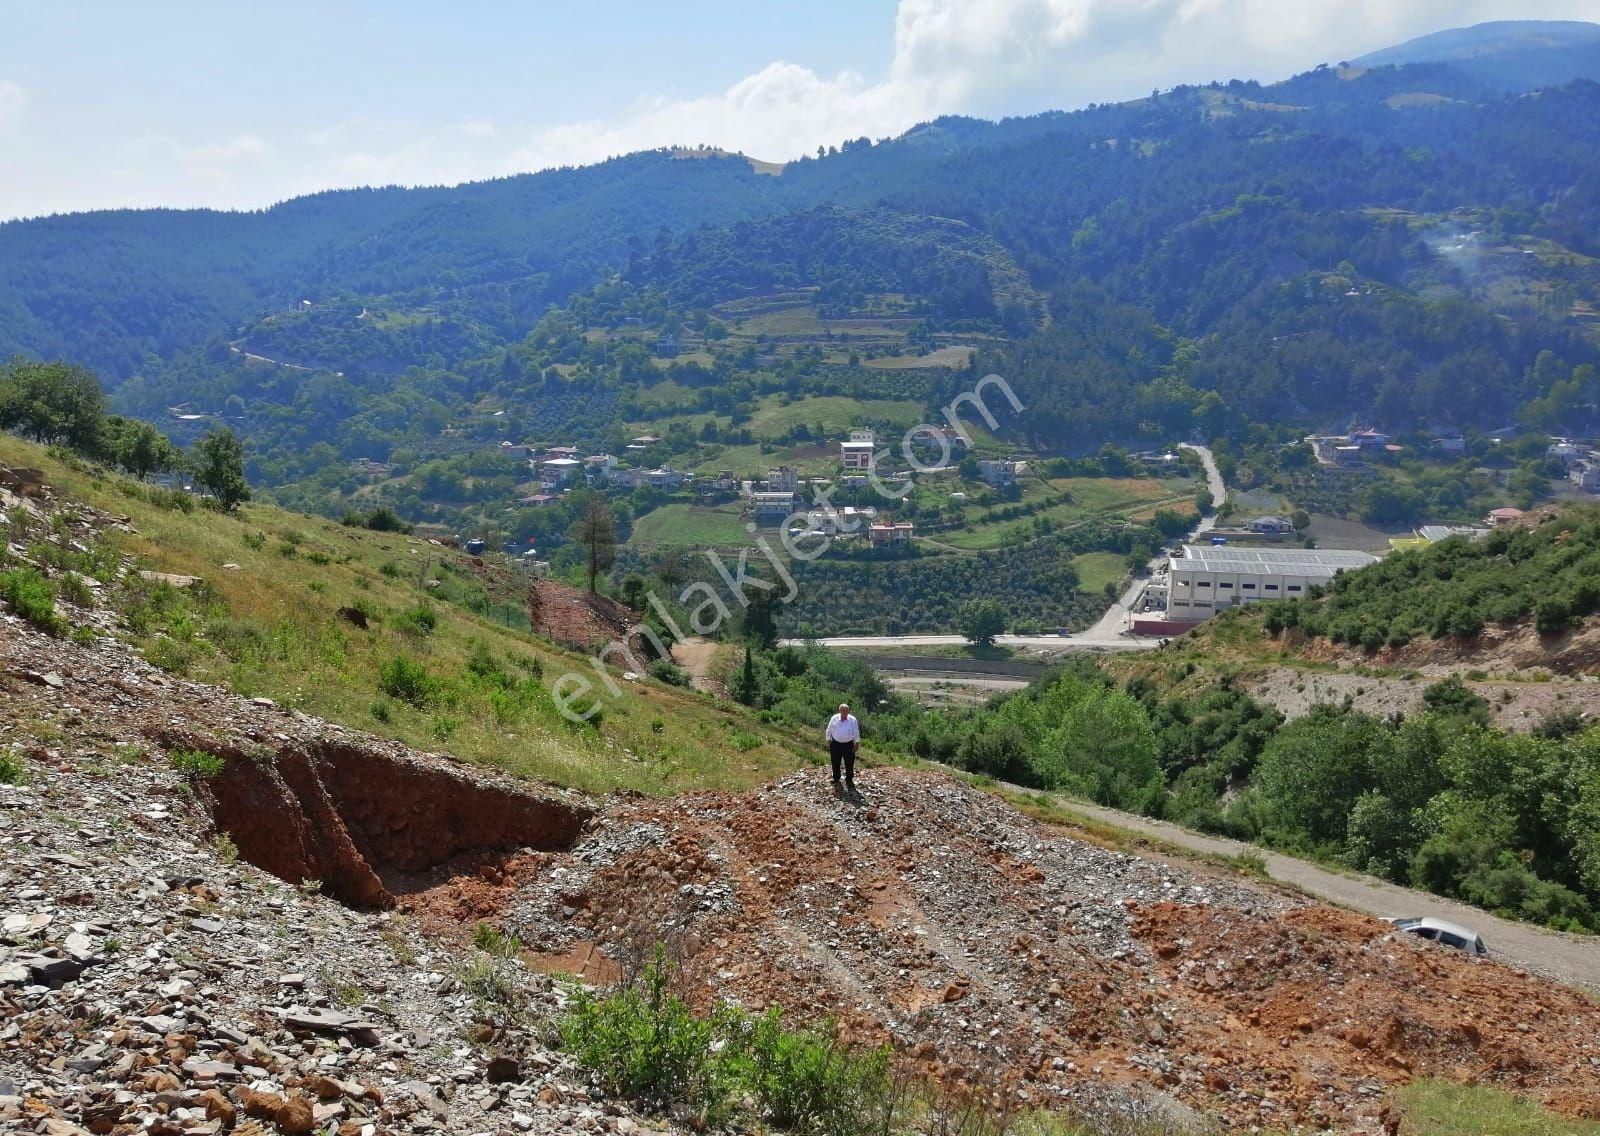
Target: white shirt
x,y
844,729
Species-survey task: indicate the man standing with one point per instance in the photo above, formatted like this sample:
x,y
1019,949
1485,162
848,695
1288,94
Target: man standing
x,y
844,738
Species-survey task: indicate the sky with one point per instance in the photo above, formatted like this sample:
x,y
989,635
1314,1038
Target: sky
x,y
227,104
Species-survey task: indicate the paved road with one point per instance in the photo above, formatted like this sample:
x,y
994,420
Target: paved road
x,y
1573,959
1113,625
1057,642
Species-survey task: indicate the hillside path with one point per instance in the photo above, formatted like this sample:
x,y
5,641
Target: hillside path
x,y
1572,959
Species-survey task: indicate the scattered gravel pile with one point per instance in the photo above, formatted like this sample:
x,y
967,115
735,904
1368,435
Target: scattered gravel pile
x,y
985,946
154,979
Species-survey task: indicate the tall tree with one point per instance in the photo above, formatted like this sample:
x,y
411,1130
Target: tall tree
x,y
53,403
596,530
980,621
138,447
219,467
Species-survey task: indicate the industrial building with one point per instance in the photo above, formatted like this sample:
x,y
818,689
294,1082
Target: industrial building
x,y
1206,580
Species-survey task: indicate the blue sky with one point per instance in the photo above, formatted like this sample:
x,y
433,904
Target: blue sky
x,y
170,102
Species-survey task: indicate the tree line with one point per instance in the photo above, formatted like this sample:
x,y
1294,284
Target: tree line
x,y
59,404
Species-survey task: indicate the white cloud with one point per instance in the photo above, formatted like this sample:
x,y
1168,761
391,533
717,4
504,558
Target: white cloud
x,y
984,57
13,101
1011,56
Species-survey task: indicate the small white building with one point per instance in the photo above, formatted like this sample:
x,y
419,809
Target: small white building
x,y
1209,579
1001,473
559,471
1585,475
891,533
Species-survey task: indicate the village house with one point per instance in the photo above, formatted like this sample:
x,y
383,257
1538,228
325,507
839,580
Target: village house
x,y
832,521
599,465
857,451
533,501
783,479
1499,518
771,508
559,470
1449,444
1001,473
890,533
643,442
1585,475
517,451
666,477
1270,524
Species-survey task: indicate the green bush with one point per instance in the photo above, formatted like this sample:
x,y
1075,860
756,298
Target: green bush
x,y
807,1081
407,680
30,596
421,620
668,672
643,1044
10,768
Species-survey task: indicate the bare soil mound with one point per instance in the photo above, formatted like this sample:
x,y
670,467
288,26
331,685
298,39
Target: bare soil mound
x,y
575,617
986,946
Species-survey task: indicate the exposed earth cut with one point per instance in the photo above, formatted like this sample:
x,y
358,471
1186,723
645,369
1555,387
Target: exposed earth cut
x,y
152,968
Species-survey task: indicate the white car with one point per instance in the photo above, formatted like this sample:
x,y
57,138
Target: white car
x,y
1441,931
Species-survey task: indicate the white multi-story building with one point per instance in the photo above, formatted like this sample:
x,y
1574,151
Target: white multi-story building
x,y
856,453
1000,473
1206,580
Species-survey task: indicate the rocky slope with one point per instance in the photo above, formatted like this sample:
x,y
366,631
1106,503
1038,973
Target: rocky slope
x,y
217,914
152,970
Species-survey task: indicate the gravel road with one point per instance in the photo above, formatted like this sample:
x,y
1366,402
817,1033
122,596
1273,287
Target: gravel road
x,y
1573,959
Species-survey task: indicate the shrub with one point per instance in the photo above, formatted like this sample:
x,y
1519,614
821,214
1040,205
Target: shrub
x,y
492,940
407,680
643,1043
10,768
31,598
807,1081
668,672
421,620
196,764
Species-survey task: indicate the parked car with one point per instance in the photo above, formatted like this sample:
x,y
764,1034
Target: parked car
x,y
1443,932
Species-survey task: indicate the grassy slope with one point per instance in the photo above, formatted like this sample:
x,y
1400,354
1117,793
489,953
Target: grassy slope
x,y
691,525
1071,501
273,630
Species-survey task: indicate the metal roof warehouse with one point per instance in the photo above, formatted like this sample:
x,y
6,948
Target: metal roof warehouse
x,y
1311,563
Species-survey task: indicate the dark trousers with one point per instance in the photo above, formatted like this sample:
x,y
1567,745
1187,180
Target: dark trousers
x,y
845,752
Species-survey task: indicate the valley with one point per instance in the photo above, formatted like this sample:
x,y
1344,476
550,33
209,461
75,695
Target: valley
x,y
427,610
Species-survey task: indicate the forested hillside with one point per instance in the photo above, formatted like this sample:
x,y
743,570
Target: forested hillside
x,y
1404,246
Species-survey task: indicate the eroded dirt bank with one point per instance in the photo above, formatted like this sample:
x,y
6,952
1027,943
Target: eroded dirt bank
x,y
984,945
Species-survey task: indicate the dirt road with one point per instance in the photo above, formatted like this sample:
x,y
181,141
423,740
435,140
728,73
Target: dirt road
x,y
1573,959
696,655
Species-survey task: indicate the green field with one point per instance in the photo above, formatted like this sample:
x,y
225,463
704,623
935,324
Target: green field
x,y
691,525
836,414
1097,569
1438,1108
1072,500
